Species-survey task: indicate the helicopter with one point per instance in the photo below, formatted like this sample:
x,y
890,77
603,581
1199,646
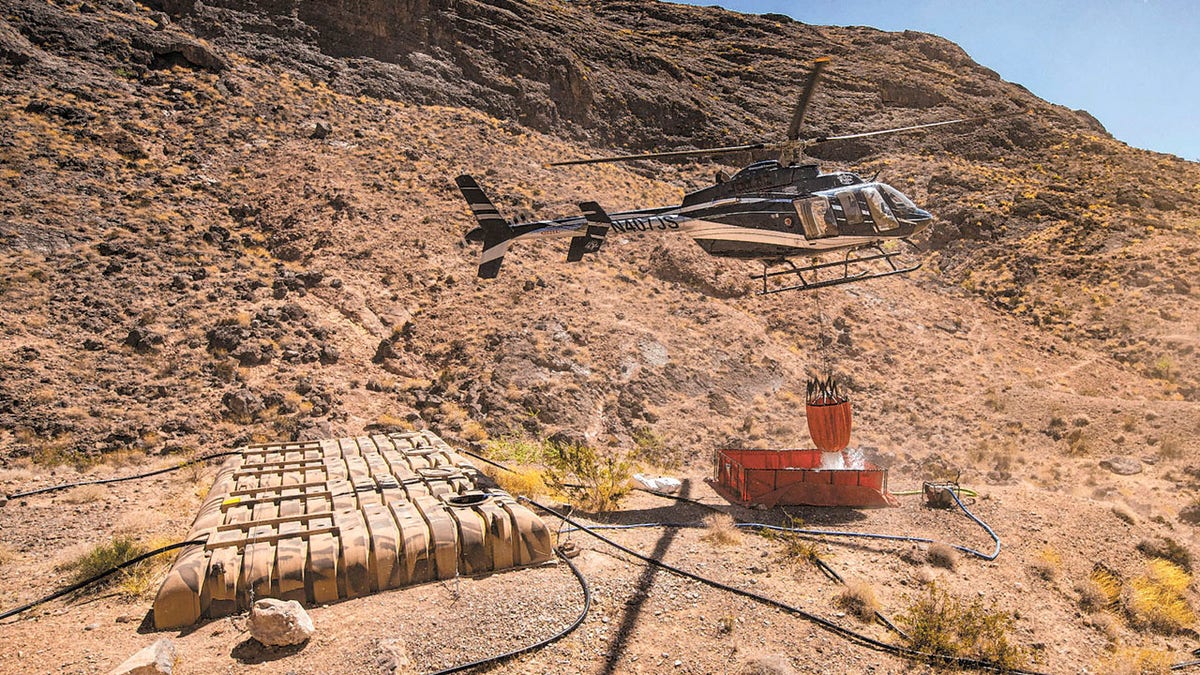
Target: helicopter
x,y
771,211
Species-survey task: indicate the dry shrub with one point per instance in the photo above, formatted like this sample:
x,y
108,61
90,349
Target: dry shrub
x,y
721,530
1156,599
1125,513
473,431
796,549
1167,549
525,481
1136,662
939,623
1170,448
1047,563
1101,589
1108,624
941,555
859,600
84,494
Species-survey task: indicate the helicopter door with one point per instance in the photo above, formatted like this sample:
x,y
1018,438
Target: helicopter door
x,y
816,216
880,211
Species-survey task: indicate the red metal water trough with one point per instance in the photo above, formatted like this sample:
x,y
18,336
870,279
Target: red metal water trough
x,y
794,477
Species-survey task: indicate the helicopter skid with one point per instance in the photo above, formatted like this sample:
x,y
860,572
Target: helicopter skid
x,y
876,264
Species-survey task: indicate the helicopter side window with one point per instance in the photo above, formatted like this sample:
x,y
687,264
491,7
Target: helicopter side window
x,y
816,216
880,212
849,204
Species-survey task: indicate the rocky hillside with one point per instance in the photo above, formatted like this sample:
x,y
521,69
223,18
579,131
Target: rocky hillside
x,y
225,222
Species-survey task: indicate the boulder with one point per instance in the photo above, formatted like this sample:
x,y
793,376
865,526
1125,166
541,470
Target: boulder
x,y
157,659
1122,466
143,339
243,403
280,623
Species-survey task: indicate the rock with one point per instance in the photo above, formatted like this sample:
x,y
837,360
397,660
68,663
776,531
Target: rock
x,y
14,48
143,339
393,656
244,403
329,354
320,130
1122,466
170,49
157,658
303,386
226,338
769,665
1190,514
93,345
279,623
387,350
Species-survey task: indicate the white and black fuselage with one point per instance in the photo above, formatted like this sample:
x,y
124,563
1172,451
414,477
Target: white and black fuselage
x,y
766,211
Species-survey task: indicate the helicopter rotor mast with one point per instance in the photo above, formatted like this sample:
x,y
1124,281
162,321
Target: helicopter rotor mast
x,y
794,147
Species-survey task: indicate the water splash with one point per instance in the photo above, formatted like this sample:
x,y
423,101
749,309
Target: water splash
x,y
851,459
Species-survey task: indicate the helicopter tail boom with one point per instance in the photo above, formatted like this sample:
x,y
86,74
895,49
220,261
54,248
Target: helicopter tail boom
x,y
497,233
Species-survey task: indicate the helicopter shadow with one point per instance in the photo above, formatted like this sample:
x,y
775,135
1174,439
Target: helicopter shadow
x,y
682,514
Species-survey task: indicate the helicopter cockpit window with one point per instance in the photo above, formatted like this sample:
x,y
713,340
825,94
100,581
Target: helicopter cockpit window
x,y
903,205
881,213
816,216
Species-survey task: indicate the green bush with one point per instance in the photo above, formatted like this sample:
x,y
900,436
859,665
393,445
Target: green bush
x,y
939,623
601,480
101,557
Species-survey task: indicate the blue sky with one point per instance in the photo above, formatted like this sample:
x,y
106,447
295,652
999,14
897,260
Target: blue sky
x,y
1133,64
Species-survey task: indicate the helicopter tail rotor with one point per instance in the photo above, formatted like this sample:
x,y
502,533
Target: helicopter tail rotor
x,y
494,231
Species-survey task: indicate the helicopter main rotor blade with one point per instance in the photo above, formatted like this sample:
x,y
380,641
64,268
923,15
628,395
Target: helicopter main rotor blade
x,y
658,155
793,132
915,127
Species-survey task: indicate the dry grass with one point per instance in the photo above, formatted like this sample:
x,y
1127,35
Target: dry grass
x,y
102,557
1101,589
1125,513
1167,549
941,555
1156,599
528,481
858,599
1047,563
84,494
1135,662
720,530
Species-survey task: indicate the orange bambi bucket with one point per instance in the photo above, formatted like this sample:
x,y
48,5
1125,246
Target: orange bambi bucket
x,y
829,425
828,413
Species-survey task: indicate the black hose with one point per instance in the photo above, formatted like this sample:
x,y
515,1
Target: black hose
x,y
587,607
481,458
103,481
898,650
87,582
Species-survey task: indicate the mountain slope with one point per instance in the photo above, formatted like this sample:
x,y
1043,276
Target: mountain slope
x,y
236,222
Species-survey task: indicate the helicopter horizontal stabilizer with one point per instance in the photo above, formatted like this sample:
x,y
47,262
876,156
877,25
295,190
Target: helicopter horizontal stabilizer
x,y
497,233
598,223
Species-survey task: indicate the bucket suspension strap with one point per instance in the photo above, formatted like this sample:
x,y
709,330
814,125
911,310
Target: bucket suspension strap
x,y
822,343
